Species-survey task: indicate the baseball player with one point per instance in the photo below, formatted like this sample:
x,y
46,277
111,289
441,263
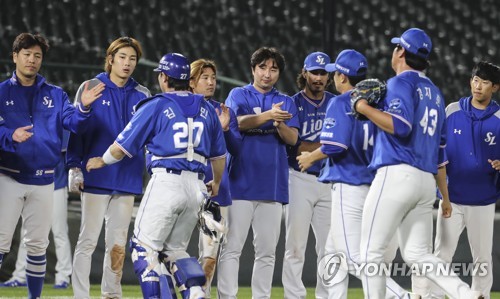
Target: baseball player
x,y
410,131
259,175
59,231
181,131
35,113
107,193
473,177
203,80
310,200
348,144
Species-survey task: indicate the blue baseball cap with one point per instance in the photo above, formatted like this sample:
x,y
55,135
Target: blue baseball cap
x,y
416,41
316,61
350,63
174,65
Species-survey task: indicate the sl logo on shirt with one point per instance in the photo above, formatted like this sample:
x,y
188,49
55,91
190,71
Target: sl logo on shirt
x,y
490,138
48,102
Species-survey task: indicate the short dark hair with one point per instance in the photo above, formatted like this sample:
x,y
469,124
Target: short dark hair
x,y
27,40
266,53
416,62
177,84
353,80
487,71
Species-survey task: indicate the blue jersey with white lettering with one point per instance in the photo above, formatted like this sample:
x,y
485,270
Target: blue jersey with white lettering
x,y
311,114
473,138
110,114
354,137
233,142
48,109
260,171
166,123
60,172
417,106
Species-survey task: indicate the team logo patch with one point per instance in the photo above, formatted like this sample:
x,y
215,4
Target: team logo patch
x,y
329,123
490,138
395,103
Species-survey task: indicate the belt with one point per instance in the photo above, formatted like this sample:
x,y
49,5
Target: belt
x,y
201,176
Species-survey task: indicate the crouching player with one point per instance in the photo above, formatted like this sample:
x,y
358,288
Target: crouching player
x,y
181,131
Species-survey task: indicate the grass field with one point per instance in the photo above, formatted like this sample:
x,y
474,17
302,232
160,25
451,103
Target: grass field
x,y
133,291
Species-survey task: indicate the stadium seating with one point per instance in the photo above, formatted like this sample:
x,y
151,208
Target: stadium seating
x,y
228,31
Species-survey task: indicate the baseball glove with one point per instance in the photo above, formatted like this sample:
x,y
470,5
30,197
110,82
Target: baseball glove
x,y
372,90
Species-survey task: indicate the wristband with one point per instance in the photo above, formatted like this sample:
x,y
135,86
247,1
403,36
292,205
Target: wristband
x,y
108,158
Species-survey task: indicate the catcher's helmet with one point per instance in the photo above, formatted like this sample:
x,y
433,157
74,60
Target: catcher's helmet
x,y
174,65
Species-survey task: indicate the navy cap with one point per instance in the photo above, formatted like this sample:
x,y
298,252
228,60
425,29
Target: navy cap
x,y
416,41
174,65
316,61
350,63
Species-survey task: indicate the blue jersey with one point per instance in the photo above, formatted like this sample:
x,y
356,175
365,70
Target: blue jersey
x,y
168,124
260,171
233,143
311,114
48,109
473,138
417,109
353,138
110,114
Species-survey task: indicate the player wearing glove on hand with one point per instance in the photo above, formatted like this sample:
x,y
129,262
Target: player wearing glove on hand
x,y
409,145
107,193
347,142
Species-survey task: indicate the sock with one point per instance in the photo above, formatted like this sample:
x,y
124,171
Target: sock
x,y
35,274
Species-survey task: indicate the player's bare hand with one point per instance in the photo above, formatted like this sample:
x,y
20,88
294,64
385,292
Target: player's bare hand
x,y
279,115
446,208
95,163
212,188
90,95
224,116
305,161
22,134
75,179
495,164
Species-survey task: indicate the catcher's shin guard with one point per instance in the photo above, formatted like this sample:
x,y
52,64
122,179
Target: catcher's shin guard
x,y
189,277
147,269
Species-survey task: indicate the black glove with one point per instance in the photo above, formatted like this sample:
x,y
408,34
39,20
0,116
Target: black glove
x,y
372,90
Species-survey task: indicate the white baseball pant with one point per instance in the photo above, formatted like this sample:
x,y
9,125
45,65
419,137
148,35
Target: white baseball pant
x,y
34,204
402,196
265,219
61,241
116,210
309,205
479,221
168,212
345,236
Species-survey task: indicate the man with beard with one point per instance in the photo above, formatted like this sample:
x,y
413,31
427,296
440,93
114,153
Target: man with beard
x,y
310,200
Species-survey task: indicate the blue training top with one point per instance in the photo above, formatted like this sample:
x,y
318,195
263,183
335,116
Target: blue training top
x,y
260,171
111,113
348,143
233,142
417,109
472,140
48,109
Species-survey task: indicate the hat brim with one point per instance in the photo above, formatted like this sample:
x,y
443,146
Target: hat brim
x,y
396,40
313,68
331,67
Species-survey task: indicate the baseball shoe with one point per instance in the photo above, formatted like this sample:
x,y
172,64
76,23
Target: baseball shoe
x,y
13,283
414,296
61,285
